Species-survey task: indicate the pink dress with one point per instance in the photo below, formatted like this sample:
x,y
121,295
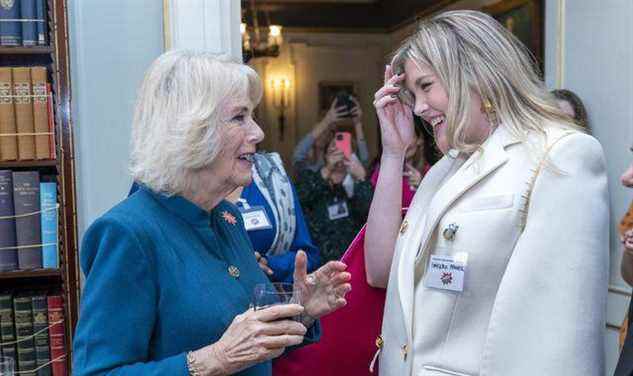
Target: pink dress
x,y
348,339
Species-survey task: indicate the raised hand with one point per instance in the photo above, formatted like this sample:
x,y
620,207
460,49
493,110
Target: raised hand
x,y
396,118
355,168
322,291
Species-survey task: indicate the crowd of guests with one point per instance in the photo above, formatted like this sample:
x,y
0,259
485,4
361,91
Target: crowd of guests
x,y
433,258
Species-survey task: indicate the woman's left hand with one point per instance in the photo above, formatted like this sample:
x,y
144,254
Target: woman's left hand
x,y
263,263
322,291
414,176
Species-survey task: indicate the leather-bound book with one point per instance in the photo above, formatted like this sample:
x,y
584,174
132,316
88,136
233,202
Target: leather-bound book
x,y
8,144
23,112
28,226
56,334
29,24
51,122
8,252
7,330
23,313
40,112
42,22
40,330
10,31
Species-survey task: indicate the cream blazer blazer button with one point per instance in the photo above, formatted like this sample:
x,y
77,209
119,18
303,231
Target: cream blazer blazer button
x,y
403,227
404,349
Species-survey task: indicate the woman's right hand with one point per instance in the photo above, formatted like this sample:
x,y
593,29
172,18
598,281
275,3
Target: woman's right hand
x,y
396,118
253,337
333,157
333,115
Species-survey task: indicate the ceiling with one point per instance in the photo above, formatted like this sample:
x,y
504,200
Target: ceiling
x,y
341,15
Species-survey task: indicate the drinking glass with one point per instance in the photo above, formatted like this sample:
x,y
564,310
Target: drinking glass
x,y
7,366
270,294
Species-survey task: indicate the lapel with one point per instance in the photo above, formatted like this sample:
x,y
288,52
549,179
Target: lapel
x,y
432,207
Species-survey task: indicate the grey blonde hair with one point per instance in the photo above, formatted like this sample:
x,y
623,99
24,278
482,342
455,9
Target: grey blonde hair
x,y
179,108
471,52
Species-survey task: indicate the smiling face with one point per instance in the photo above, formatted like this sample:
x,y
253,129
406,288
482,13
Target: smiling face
x,y
432,104
627,176
238,136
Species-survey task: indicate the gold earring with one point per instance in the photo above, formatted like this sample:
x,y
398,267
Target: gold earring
x,y
490,112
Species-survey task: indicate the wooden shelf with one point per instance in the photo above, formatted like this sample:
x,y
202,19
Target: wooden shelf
x,y
36,50
29,164
39,273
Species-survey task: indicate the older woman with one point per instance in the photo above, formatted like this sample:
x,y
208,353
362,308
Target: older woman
x,y
170,271
500,265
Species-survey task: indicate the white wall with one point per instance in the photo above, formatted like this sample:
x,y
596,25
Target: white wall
x,y
111,43
589,50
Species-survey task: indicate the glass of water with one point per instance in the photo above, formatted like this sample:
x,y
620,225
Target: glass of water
x,y
7,366
270,294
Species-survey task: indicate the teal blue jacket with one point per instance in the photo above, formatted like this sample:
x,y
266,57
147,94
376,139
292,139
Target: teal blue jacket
x,y
158,285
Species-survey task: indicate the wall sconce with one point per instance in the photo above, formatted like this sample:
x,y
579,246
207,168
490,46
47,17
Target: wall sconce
x,y
280,88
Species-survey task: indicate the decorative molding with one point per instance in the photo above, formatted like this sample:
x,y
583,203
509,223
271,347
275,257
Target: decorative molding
x,y
560,46
209,25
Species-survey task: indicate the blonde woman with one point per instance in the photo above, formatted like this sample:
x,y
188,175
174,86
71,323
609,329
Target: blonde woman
x,y
500,266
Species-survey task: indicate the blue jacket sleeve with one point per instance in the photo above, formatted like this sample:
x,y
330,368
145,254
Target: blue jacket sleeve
x,y
283,265
118,307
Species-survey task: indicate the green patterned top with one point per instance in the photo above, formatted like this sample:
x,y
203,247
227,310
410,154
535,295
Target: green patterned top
x,y
325,207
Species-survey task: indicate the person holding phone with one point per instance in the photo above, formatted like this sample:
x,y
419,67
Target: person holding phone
x,y
500,266
335,198
308,153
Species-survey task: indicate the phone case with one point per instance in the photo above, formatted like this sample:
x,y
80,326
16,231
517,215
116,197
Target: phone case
x,y
343,142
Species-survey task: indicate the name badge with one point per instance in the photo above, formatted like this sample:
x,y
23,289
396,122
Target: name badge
x,y
255,218
447,272
338,210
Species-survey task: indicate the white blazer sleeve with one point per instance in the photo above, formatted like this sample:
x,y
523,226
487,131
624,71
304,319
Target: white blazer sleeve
x,y
549,312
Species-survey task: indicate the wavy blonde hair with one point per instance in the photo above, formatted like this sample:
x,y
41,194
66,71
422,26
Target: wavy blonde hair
x,y
178,110
471,52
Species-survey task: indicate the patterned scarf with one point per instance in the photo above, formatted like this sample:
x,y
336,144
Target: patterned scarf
x,y
271,179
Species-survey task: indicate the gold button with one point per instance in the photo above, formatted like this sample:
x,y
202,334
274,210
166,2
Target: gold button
x,y
404,226
234,271
404,350
379,342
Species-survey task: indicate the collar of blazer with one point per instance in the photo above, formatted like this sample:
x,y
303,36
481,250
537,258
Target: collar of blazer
x,y
479,165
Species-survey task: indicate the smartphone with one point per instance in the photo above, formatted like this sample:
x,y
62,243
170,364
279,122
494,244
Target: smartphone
x,y
344,99
343,142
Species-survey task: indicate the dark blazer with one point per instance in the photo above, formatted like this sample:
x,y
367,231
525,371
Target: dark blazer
x,y
625,364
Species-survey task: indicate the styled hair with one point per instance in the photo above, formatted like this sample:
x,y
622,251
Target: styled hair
x,y
580,113
178,111
471,52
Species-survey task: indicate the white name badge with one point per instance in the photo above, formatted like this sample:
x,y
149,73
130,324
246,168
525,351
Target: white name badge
x,y
447,272
338,210
255,218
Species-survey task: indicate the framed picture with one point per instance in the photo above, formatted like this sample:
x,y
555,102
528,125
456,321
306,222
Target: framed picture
x,y
524,18
328,91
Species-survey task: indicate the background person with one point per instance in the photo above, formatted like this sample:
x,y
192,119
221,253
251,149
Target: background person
x,y
571,104
170,270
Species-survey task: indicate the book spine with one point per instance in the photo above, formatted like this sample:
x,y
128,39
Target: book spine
x,y
28,226
10,31
40,330
7,331
51,122
48,202
42,22
23,313
57,337
8,252
40,112
8,143
23,112
29,27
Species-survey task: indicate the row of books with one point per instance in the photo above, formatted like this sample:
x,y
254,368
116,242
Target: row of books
x,y
28,221
26,114
32,332
23,23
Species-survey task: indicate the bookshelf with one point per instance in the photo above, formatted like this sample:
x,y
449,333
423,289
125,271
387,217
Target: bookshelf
x,y
56,58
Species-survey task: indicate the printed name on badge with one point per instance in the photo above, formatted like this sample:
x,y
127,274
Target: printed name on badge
x,y
447,272
337,210
255,218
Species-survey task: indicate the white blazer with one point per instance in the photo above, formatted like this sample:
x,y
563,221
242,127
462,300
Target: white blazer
x,y
534,298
